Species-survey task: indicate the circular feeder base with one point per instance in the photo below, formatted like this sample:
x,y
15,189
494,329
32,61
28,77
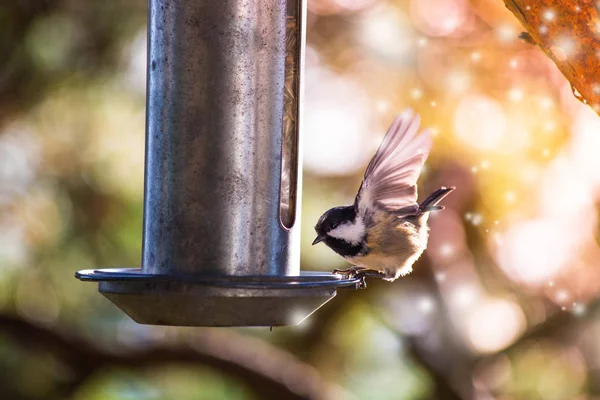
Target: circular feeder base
x,y
216,301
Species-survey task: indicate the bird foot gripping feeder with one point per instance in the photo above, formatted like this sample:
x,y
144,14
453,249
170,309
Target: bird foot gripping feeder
x,y
221,197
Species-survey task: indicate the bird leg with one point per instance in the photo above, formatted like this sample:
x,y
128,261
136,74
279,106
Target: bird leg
x,y
359,272
371,273
349,273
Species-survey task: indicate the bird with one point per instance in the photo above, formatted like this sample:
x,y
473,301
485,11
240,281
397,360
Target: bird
x,y
385,231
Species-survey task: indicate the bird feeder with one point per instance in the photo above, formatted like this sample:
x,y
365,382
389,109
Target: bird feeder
x,y
222,172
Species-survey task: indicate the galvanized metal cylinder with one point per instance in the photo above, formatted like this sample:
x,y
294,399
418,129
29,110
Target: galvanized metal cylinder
x,y
214,128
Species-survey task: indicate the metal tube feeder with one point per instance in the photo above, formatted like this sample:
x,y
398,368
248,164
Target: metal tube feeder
x,y
222,174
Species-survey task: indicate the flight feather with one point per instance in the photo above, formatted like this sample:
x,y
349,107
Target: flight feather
x,y
390,181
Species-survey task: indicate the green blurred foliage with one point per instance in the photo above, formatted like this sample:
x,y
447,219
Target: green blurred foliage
x,y
167,383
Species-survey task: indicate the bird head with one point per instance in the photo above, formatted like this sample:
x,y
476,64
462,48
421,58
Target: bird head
x,y
339,224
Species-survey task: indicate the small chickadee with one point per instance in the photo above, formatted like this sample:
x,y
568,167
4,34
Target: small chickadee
x,y
385,231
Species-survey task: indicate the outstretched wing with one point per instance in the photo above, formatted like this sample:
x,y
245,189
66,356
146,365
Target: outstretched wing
x,y
390,181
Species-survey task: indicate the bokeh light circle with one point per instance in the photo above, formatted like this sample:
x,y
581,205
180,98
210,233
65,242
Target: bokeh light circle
x,y
438,17
336,125
480,122
534,251
494,324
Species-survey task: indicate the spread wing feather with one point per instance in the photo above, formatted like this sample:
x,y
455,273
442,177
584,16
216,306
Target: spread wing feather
x,y
390,181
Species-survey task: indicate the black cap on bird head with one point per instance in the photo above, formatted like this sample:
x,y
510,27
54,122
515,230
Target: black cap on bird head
x,y
331,219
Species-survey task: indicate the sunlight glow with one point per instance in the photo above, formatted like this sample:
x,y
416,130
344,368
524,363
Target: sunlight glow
x,y
425,304
336,125
534,251
562,296
458,81
438,17
565,193
549,15
495,324
566,45
506,33
515,94
585,145
297,317
386,30
446,250
579,309
464,295
480,122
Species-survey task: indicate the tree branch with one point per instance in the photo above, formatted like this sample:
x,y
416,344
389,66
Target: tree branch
x,y
566,31
269,372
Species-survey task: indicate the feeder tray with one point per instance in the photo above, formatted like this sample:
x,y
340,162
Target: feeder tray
x,y
192,301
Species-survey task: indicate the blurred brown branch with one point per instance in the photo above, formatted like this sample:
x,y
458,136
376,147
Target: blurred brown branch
x,y
268,371
19,79
445,386
23,81
566,30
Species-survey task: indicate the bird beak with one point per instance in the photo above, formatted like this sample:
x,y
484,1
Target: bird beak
x,y
319,239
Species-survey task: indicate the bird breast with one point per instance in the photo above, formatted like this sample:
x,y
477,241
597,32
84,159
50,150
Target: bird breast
x,y
393,245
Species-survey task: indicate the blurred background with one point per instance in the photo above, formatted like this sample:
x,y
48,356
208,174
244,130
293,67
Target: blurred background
x,y
501,306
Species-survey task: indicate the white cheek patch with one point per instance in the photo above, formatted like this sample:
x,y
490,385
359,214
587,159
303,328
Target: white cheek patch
x,y
351,232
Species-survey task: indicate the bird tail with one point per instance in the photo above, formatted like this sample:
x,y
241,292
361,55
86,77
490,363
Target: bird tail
x,y
431,202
